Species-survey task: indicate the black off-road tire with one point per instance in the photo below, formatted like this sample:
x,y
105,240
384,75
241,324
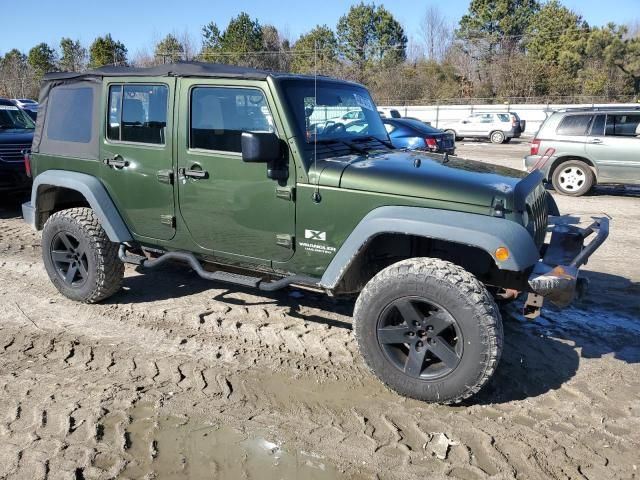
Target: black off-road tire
x,y
583,178
462,296
99,271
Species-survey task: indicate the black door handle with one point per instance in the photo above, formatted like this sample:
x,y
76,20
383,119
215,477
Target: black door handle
x,y
116,161
193,173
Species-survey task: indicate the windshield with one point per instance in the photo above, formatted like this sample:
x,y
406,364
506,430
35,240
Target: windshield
x,y
13,117
332,112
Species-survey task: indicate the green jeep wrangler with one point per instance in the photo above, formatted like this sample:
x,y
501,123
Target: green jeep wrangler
x,y
253,178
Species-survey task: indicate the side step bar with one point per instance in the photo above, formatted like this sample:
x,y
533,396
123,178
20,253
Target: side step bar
x,y
219,276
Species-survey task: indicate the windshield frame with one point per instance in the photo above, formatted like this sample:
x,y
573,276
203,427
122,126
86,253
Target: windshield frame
x,y
298,118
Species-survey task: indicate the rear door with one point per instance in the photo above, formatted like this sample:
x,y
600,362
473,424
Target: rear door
x,y
614,144
230,207
137,153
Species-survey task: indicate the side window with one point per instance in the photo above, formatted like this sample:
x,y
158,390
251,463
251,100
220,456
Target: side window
x,y
574,125
486,118
220,115
504,117
598,125
138,113
70,114
623,125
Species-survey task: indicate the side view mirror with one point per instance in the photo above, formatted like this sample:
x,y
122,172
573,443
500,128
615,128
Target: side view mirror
x,y
260,147
264,147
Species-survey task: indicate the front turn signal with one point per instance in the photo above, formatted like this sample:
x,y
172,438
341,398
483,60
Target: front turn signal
x,y
502,254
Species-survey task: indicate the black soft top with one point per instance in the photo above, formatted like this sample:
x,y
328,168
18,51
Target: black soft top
x,y
181,69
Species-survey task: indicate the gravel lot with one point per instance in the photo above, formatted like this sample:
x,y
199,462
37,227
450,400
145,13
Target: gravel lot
x,y
175,377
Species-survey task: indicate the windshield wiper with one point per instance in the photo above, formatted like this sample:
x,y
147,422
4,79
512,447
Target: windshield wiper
x,y
326,141
368,138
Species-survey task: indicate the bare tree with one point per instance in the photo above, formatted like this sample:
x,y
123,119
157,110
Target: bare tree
x,y
189,45
436,33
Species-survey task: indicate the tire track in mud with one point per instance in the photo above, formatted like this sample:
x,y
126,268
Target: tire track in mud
x,y
92,393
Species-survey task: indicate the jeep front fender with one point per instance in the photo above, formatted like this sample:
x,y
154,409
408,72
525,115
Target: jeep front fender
x,y
481,231
92,190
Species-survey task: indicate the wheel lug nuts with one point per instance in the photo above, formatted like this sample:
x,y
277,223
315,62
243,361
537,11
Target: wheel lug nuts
x,y
412,334
430,328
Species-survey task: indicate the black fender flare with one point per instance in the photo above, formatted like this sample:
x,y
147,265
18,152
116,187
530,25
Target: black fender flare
x,y
481,231
92,190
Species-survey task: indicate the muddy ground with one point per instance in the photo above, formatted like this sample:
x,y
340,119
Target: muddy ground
x,y
175,377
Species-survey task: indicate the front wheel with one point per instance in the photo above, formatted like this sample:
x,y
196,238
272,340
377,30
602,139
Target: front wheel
x,y
80,259
429,330
454,135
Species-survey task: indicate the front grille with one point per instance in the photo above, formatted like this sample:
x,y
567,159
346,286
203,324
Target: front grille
x,y
13,152
538,214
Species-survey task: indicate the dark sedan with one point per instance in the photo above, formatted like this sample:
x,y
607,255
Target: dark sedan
x,y
416,135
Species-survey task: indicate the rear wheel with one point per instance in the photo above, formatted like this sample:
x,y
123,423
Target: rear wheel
x,y
429,330
497,137
573,178
80,259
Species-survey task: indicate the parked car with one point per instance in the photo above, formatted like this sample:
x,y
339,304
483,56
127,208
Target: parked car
x,y
30,107
577,148
16,135
416,135
389,113
497,127
215,166
26,103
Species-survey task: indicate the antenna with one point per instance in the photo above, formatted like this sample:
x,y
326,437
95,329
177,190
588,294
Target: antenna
x,y
316,193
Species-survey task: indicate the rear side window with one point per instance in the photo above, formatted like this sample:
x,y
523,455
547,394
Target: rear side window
x,y
574,125
137,113
623,125
220,115
70,114
504,117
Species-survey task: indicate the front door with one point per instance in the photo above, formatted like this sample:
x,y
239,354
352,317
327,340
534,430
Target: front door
x,y
231,208
616,150
137,154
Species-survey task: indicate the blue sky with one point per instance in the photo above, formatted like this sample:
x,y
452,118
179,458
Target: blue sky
x,y
138,22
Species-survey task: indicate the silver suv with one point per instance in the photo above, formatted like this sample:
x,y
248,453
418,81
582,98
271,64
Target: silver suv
x,y
497,127
577,148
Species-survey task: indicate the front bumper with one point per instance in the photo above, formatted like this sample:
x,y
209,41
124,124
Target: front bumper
x,y
555,277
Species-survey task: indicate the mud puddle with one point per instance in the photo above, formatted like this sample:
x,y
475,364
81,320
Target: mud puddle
x,y
174,446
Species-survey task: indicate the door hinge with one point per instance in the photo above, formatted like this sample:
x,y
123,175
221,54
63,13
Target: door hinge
x,y
165,176
284,240
286,193
168,220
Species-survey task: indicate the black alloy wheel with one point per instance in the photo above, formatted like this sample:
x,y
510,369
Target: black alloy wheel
x,y
69,256
420,338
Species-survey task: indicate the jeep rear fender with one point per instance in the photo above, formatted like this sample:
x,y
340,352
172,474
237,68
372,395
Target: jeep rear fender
x,y
94,193
481,231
